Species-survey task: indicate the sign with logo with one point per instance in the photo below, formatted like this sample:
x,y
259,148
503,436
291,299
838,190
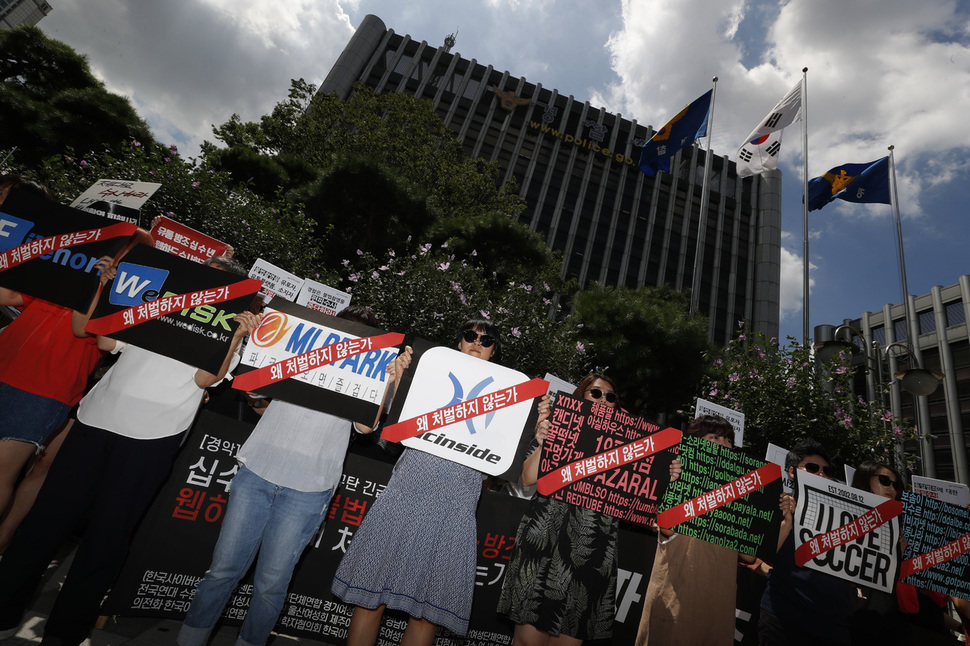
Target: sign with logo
x,y
845,532
185,242
66,276
276,281
736,418
476,435
352,388
322,298
199,336
116,199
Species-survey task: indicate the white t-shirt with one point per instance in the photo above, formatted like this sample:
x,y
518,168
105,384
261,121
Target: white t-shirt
x,y
297,448
144,396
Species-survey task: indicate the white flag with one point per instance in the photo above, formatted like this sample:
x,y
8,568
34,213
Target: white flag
x,y
759,152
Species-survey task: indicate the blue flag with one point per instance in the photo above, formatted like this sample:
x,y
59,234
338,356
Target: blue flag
x,y
681,131
866,183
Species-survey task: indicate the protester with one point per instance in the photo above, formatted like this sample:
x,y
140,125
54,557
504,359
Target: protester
x,y
560,587
116,457
875,615
800,605
693,585
415,550
45,360
290,465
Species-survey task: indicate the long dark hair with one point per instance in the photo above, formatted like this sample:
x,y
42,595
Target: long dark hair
x,y
864,473
588,382
14,180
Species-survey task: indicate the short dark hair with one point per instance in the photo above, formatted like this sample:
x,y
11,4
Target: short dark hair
x,y
865,471
488,328
358,314
715,424
225,263
20,182
588,382
804,448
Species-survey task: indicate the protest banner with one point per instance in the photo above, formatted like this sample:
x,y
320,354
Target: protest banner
x,y
184,241
955,493
736,418
322,298
461,408
605,459
938,539
39,258
352,388
143,306
846,532
116,199
724,497
173,548
276,281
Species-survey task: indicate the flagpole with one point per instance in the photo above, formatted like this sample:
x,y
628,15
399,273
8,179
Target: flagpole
x,y
805,319
695,288
899,235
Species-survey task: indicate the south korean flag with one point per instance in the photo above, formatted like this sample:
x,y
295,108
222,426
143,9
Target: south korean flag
x,y
759,152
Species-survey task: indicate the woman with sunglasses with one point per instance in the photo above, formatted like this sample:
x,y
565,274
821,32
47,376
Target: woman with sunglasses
x,y
875,615
415,551
560,587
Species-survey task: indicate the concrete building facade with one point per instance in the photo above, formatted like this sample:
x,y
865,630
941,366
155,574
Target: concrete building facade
x,y
14,13
577,168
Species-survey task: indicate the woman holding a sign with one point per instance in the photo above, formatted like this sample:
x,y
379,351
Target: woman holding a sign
x,y
560,587
416,548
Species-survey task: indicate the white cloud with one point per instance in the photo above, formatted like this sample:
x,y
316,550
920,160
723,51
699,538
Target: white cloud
x,y
792,281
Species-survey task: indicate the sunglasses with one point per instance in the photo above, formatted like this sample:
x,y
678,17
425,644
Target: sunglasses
x,y
471,336
812,467
597,393
886,481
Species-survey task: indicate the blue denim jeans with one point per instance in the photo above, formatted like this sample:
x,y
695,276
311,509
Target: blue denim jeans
x,y
261,517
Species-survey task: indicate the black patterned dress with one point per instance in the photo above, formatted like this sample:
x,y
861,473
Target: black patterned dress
x,y
562,578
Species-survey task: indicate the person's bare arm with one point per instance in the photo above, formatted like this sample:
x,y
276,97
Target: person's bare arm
x,y
79,320
395,370
530,468
10,298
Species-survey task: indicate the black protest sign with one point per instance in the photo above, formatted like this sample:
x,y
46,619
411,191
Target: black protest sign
x,y
725,497
938,539
835,531
352,388
199,336
606,460
66,276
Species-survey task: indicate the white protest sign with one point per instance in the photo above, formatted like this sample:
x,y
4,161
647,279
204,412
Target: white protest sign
x,y
870,559
954,493
778,455
736,418
118,199
486,442
276,281
322,298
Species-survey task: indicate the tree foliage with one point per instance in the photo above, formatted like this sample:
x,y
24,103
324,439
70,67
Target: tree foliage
x,y
50,100
786,396
645,339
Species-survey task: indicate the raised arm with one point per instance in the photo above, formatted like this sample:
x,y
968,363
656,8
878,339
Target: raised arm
x,y
530,468
247,323
79,320
395,370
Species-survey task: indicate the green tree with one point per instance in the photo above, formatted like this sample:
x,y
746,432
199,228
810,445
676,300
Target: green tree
x,y
50,101
785,396
645,339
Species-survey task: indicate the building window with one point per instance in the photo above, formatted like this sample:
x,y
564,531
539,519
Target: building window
x,y
899,327
879,335
955,314
927,322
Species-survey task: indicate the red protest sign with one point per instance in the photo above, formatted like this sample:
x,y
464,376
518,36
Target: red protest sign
x,y
863,524
465,410
608,460
181,240
720,496
313,359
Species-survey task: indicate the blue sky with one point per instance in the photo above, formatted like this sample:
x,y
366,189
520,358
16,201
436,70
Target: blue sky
x,y
880,73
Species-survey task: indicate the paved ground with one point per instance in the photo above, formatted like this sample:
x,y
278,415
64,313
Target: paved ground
x,y
134,631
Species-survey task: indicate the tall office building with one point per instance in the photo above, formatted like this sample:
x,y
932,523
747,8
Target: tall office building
x,y
940,342
14,13
577,168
